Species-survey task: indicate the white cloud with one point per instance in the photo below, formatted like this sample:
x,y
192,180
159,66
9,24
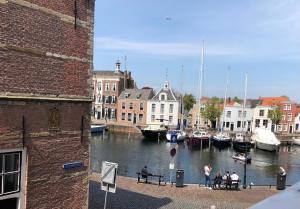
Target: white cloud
x,y
163,48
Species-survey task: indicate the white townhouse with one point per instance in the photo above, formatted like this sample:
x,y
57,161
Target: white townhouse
x,y
297,123
236,119
164,108
260,117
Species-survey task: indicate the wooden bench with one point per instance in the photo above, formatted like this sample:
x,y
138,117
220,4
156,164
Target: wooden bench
x,y
140,176
228,184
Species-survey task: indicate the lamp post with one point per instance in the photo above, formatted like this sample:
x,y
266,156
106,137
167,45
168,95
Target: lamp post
x,y
245,166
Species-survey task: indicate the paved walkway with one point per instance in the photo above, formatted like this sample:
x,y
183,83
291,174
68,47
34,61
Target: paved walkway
x,y
131,195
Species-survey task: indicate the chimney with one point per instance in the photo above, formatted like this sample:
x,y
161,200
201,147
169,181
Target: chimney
x,y
118,67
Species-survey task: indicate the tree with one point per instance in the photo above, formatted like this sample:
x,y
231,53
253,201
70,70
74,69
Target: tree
x,y
238,100
211,112
188,101
275,116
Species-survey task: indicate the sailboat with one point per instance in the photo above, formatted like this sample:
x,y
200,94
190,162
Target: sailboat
x,y
222,139
180,134
241,142
199,137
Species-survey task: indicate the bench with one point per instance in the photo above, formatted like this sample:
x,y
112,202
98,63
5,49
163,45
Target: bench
x,y
228,184
140,176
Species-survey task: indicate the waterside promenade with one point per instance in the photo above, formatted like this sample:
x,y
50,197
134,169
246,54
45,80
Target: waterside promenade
x,y
131,195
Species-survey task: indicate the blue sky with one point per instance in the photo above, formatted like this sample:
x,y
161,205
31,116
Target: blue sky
x,y
260,37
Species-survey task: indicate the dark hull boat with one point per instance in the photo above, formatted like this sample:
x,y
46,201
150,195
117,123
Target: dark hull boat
x,y
221,140
198,139
154,134
242,146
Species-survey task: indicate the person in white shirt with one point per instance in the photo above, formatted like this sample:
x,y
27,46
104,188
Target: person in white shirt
x,y
235,179
207,170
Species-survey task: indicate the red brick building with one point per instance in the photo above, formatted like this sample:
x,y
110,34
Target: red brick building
x,y
46,54
108,85
132,106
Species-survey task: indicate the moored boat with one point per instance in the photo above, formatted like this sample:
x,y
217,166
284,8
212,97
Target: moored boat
x,y
221,139
296,141
266,140
199,137
180,135
241,142
242,157
154,132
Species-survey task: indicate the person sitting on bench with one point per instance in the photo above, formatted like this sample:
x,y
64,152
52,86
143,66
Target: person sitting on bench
x,y
227,180
235,179
145,173
218,180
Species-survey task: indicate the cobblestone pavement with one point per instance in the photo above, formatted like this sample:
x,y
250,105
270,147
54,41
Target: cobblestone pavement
x,y
130,195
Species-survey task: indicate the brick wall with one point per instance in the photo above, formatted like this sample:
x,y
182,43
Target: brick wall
x,y
45,68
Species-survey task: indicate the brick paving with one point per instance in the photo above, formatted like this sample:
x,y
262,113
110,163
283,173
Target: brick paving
x,y
131,195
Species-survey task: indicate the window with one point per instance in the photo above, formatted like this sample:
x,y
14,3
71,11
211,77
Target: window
x,y
106,86
240,114
289,117
113,115
279,128
127,95
162,108
113,99
171,108
283,117
257,123
153,107
99,98
227,124
141,117
161,117
129,117
245,114
284,127
10,171
114,87
262,113
106,99
130,106
162,97
141,106
99,86
228,115
285,107
265,123
123,105
123,116
152,118
297,127
289,107
239,123
170,119
106,112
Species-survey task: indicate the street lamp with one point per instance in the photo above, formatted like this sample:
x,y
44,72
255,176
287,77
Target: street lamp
x,y
245,164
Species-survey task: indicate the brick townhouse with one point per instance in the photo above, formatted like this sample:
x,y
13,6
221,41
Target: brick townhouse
x,y
132,106
46,54
108,85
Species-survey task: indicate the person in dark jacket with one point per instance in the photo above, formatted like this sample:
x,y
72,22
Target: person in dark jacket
x,y
218,180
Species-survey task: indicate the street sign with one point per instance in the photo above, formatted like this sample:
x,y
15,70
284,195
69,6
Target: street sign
x,y
109,173
173,137
173,152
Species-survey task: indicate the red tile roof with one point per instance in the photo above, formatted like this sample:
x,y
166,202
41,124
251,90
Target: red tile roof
x,y
273,101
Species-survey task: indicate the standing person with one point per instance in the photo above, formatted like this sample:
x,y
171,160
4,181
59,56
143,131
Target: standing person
x,y
207,170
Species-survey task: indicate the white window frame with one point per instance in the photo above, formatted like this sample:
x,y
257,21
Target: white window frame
x,y
106,86
153,108
162,108
171,108
123,116
152,118
114,87
289,117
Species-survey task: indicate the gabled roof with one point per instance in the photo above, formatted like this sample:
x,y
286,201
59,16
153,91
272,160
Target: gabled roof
x,y
273,101
141,94
110,73
168,91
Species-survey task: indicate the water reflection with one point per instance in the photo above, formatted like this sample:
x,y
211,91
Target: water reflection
x,y
132,153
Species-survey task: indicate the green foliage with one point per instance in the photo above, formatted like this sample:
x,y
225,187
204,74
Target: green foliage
x,y
238,100
211,112
275,115
217,100
188,101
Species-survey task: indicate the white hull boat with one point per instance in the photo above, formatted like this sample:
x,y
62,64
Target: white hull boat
x,y
181,135
242,157
266,140
296,141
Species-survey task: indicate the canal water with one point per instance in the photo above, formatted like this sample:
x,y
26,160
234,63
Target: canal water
x,y
134,152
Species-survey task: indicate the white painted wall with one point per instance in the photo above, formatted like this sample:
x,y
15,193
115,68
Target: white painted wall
x,y
235,117
256,116
166,112
297,121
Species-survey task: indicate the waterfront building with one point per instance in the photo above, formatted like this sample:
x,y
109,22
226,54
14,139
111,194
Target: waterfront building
x,y
132,107
164,108
297,123
289,110
196,117
237,118
108,85
46,56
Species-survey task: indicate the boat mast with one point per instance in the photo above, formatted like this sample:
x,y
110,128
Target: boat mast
x,y
225,100
200,86
182,109
244,105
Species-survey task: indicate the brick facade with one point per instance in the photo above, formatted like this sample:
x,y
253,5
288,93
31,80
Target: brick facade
x,y
45,77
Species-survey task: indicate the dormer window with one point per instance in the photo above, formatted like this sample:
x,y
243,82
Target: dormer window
x,y
127,95
162,97
138,96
